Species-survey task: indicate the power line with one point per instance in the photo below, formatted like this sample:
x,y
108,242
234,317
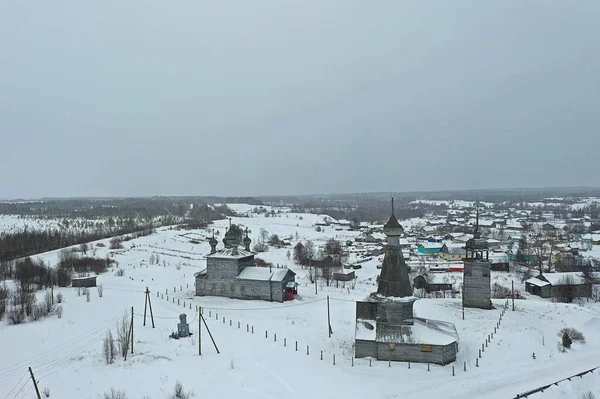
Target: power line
x,y
22,386
27,391
16,385
44,357
67,359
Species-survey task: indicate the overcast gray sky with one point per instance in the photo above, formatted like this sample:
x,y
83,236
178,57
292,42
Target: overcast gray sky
x,y
189,97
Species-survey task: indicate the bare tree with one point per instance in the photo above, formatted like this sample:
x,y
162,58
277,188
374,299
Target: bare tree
x,y
123,337
539,250
589,279
566,289
108,348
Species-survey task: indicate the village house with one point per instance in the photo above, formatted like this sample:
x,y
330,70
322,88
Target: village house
x,y
452,252
556,285
231,272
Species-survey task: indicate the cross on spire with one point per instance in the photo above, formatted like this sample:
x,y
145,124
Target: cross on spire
x,y
393,206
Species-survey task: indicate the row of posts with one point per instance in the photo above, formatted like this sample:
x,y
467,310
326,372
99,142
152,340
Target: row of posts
x,y
251,329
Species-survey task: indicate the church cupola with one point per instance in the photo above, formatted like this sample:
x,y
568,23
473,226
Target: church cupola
x,y
247,241
213,243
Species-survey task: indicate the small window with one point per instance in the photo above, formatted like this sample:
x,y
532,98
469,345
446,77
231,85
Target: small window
x,y
222,287
252,289
426,348
392,346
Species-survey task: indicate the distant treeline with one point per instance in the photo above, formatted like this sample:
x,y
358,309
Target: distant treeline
x,y
144,208
30,242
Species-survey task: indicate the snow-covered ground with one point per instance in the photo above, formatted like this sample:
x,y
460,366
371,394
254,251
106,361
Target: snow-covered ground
x,y
65,353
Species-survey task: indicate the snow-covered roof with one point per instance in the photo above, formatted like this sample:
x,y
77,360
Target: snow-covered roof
x,y
441,278
229,253
498,257
463,238
557,278
263,273
432,245
423,331
537,282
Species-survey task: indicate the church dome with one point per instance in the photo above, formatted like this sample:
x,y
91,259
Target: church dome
x,y
392,228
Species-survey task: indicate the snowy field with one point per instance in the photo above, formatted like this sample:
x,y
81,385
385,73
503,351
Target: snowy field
x,y
65,353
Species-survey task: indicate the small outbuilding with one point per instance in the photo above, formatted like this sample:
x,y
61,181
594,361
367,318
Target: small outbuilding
x,y
86,282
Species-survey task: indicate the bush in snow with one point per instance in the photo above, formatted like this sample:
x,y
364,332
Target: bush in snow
x,y
100,290
179,392
115,394
87,294
566,341
16,315
4,297
573,334
46,392
120,273
116,243
38,312
59,297
48,303
588,395
59,310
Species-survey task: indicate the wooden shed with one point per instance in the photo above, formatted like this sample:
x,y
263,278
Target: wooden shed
x,y
84,282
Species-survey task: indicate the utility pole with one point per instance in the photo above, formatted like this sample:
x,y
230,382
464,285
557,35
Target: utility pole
x,y
513,295
37,391
200,331
329,318
148,302
462,289
132,330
